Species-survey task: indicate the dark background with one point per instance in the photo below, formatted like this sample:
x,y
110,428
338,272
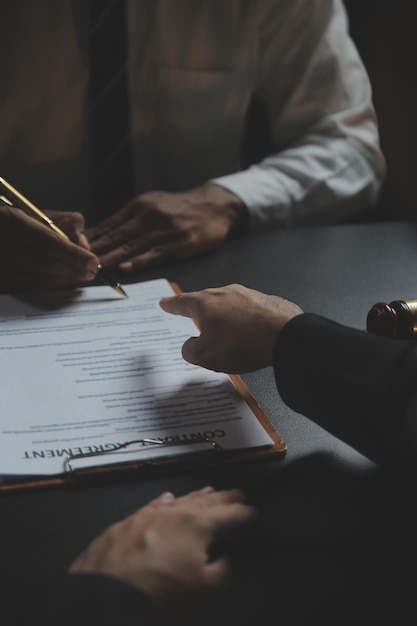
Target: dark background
x,y
385,35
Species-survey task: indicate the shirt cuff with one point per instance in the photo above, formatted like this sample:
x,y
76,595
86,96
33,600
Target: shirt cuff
x,y
266,199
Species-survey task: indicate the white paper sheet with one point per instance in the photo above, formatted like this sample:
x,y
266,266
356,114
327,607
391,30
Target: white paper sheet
x,y
85,370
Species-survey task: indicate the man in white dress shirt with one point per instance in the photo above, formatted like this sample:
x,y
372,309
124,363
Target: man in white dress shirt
x,y
195,70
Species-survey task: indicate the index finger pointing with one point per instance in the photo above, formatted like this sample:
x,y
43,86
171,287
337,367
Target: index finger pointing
x,y
184,304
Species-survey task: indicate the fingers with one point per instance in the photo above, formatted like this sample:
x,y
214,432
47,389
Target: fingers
x,y
210,496
185,304
73,224
149,250
206,496
194,303
124,234
166,498
222,508
35,256
75,232
51,254
131,252
155,254
157,227
101,233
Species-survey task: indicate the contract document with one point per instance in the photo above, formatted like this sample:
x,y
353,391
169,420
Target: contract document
x,y
90,379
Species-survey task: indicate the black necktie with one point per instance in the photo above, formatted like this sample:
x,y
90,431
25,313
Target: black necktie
x,y
110,118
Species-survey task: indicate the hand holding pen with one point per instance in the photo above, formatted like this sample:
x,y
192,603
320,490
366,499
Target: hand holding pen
x,y
32,256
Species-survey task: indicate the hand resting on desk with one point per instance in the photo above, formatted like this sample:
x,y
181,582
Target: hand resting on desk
x,y
156,227
32,256
163,549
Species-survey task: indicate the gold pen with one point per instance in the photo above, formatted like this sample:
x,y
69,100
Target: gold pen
x,y
12,197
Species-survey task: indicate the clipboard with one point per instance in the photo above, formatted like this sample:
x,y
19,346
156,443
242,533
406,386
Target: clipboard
x,y
80,468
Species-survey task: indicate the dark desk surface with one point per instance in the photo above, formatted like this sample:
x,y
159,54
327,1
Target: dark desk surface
x,y
309,499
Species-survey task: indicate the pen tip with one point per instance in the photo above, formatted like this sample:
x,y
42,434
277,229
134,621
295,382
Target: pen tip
x,y
117,287
105,277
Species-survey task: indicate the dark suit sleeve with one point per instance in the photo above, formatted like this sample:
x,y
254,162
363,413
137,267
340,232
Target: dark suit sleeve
x,y
85,600
357,386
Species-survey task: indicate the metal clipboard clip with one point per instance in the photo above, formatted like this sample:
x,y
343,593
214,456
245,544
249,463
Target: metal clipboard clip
x,y
133,449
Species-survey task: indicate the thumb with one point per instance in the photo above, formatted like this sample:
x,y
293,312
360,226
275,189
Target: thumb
x,y
190,350
216,572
